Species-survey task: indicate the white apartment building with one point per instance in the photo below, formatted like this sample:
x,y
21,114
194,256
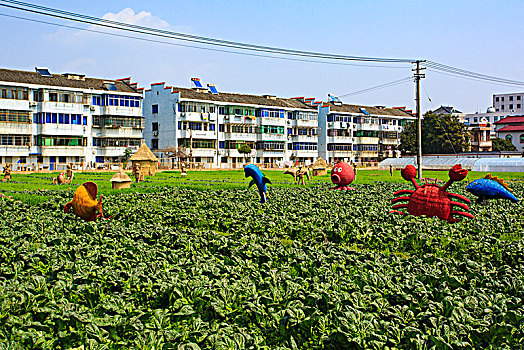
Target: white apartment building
x,y
53,119
513,103
360,133
491,117
212,125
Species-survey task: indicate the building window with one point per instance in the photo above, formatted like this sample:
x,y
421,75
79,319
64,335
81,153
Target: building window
x,y
496,99
495,118
511,106
62,159
154,143
475,120
508,137
502,107
518,98
522,138
502,99
518,105
221,127
511,98
154,109
154,126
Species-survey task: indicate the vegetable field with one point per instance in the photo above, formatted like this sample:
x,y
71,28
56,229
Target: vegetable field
x,y
204,268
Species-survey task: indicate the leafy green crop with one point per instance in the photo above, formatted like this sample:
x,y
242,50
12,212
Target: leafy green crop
x,y
214,269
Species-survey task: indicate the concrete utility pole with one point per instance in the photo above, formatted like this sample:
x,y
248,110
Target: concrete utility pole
x,y
417,75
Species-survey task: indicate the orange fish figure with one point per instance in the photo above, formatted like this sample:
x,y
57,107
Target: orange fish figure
x,y
84,202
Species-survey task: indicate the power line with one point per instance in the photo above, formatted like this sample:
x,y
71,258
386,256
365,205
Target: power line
x,y
200,47
378,87
76,17
47,11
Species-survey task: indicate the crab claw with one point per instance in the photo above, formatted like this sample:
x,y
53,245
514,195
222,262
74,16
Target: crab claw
x,y
409,172
457,173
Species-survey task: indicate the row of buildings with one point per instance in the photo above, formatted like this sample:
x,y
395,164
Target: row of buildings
x,y
504,119
212,125
51,119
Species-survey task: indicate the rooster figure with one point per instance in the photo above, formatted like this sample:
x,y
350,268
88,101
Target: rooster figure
x,y
431,199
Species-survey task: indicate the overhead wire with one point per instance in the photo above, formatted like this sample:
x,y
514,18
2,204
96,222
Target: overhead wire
x,y
47,11
268,50
378,87
200,47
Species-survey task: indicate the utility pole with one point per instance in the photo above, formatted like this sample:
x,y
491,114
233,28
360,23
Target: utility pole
x,y
417,75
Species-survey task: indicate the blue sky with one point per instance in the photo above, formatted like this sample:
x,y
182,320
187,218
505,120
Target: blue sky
x,y
484,37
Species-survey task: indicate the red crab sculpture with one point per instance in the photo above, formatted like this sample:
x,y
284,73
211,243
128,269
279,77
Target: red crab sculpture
x,y
432,199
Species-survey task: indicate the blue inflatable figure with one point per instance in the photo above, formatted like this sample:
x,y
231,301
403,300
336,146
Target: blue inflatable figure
x,y
258,179
490,188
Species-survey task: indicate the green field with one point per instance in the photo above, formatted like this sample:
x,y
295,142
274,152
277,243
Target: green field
x,y
198,263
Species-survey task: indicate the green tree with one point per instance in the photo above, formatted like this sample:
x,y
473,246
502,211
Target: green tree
x,y
502,145
440,134
245,150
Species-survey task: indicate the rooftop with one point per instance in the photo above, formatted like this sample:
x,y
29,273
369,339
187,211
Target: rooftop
x,y
511,128
398,112
511,120
62,80
266,100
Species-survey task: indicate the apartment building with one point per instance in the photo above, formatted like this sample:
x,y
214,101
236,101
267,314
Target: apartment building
x,y
513,102
354,133
212,125
49,118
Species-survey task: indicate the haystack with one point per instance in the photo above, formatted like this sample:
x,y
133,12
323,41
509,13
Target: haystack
x,y
146,159
120,180
319,167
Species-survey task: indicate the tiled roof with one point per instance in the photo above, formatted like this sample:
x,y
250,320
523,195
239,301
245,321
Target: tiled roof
x,y
58,80
512,128
243,99
371,110
508,120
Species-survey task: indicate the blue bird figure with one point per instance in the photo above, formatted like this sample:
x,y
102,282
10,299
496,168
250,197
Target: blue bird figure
x,y
490,188
258,179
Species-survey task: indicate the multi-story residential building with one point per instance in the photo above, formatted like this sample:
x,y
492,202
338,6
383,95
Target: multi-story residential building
x,y
513,102
360,133
212,125
512,129
62,118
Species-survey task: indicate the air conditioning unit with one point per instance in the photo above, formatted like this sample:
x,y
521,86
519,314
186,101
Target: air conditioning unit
x,y
226,117
183,114
330,124
32,104
92,108
155,133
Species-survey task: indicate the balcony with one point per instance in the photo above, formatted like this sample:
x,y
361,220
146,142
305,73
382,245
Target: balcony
x,y
367,140
202,152
16,151
385,127
196,134
304,123
273,121
15,128
111,151
340,139
240,136
390,141
369,127
117,132
303,138
271,137
63,107
71,151
118,110
61,129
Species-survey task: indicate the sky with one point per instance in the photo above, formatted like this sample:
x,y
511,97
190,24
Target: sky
x,y
483,37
